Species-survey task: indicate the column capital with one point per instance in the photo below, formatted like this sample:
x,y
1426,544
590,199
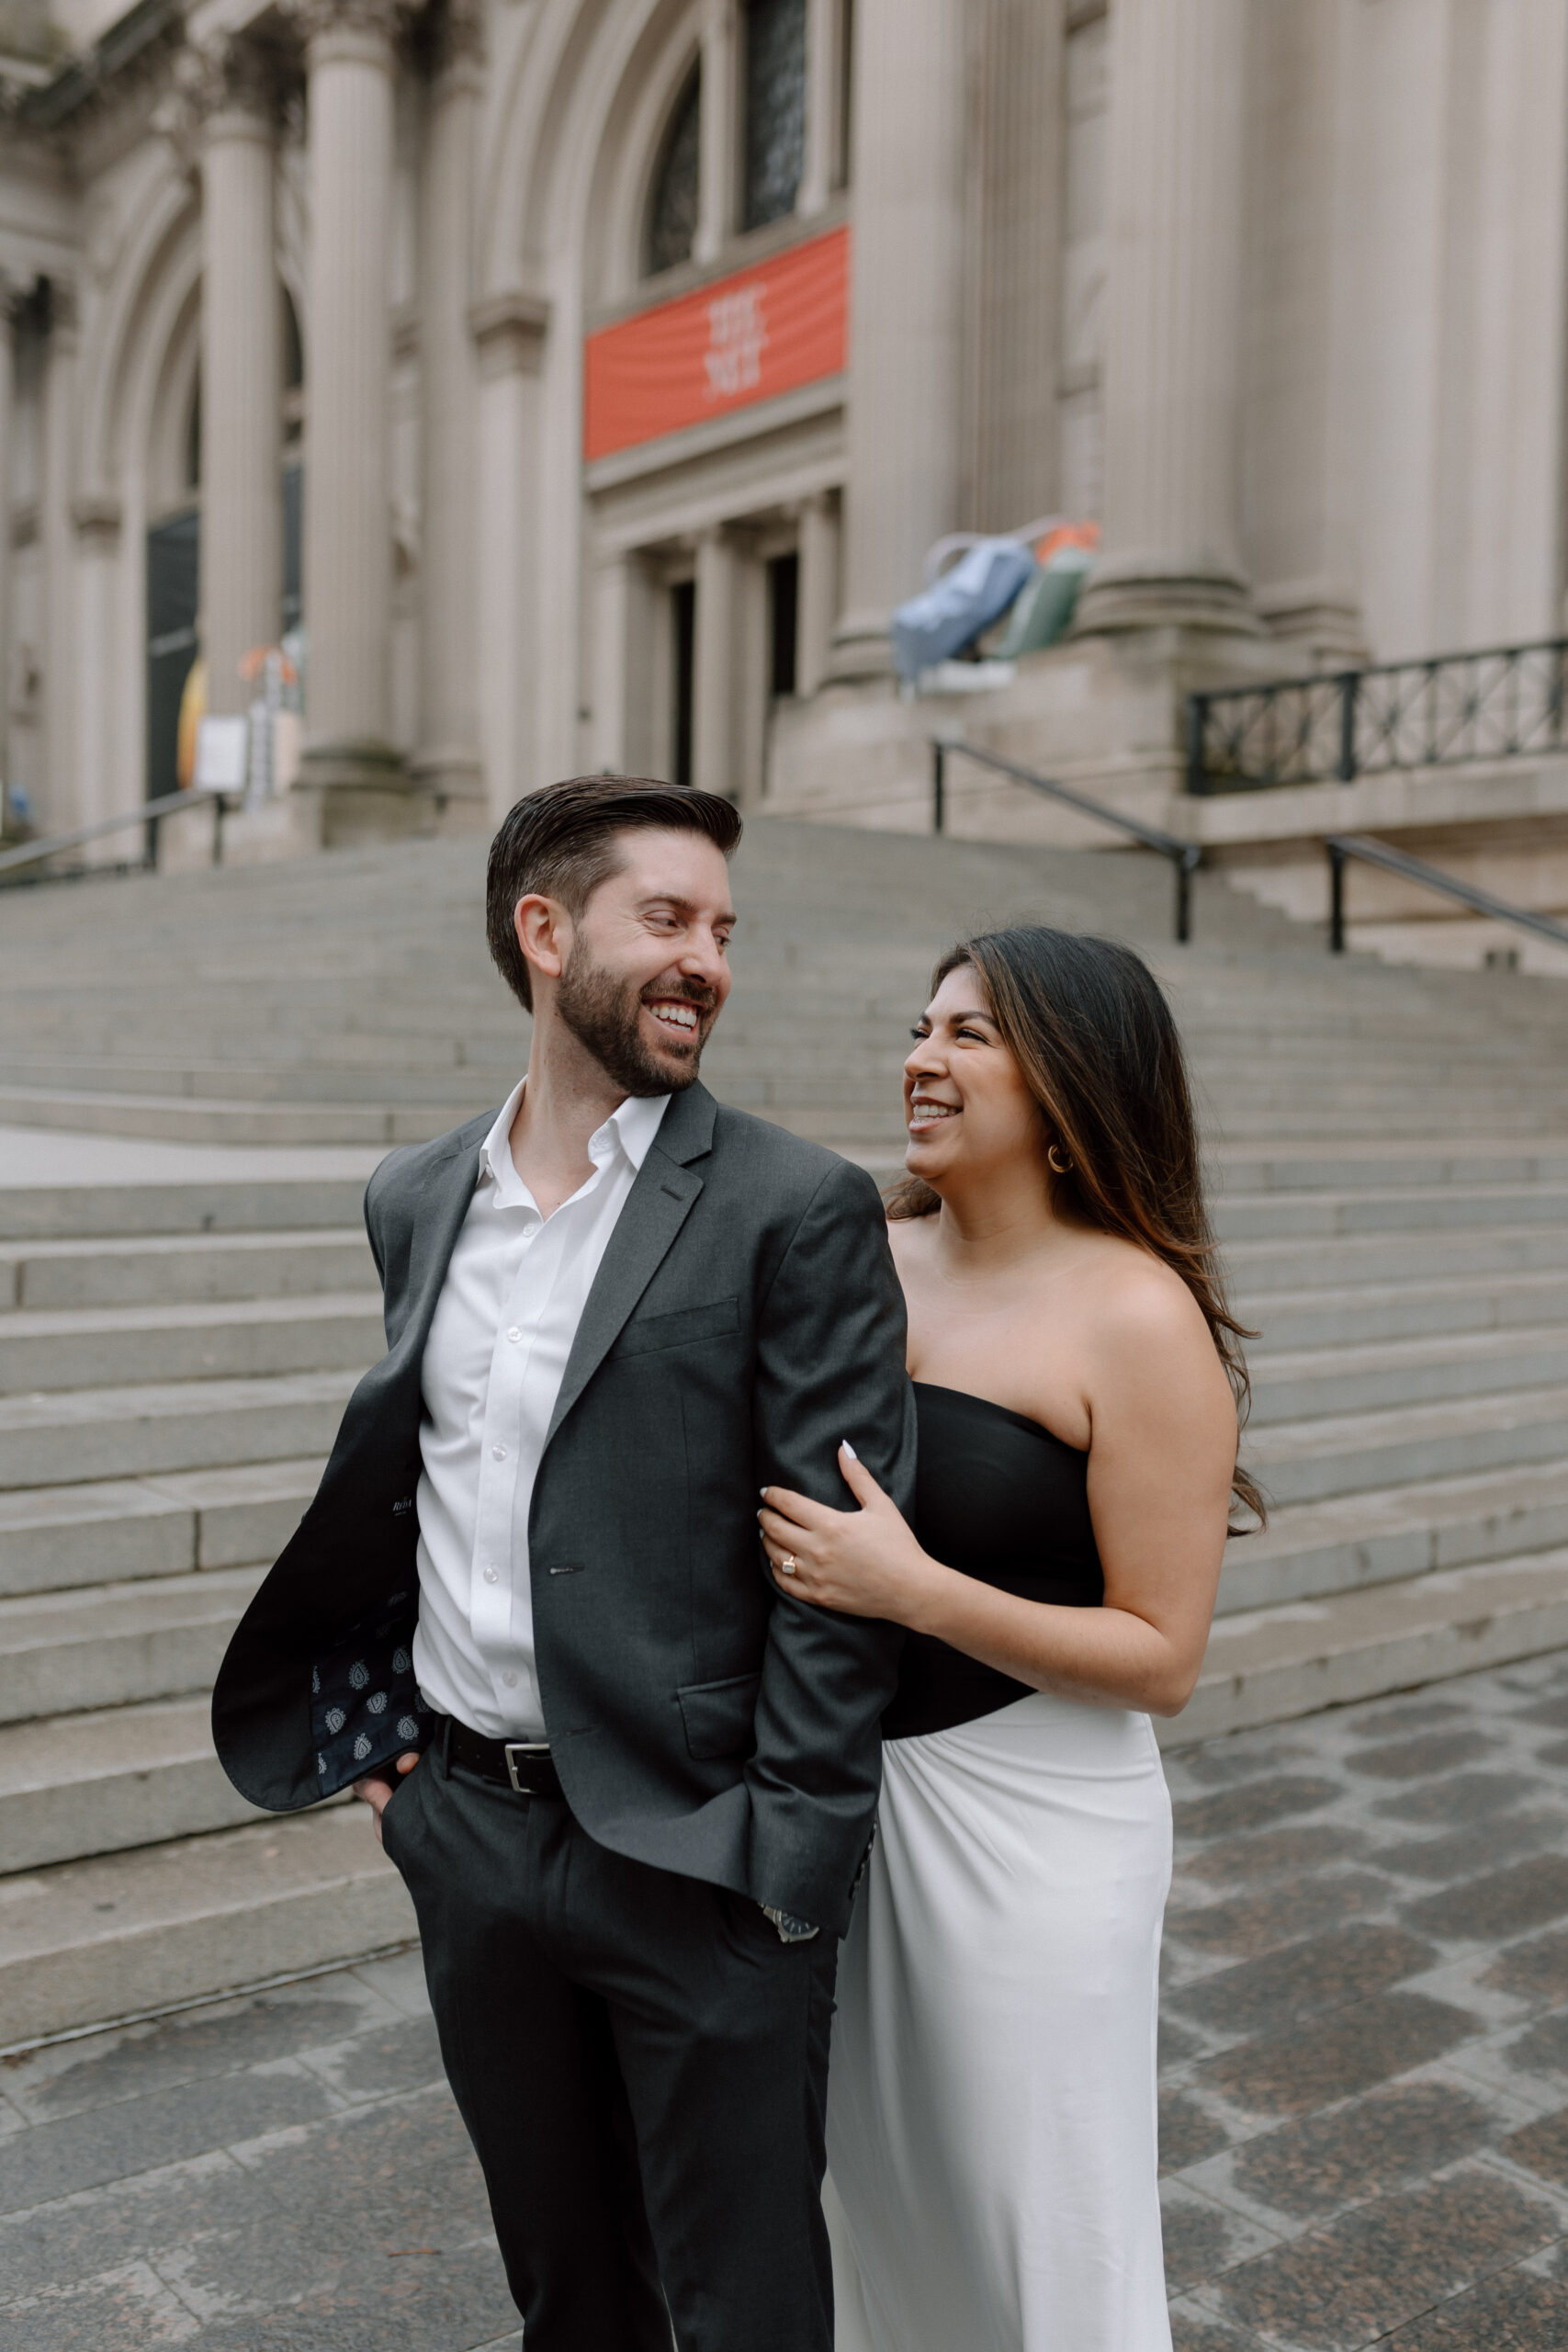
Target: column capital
x,y
323,20
238,78
453,37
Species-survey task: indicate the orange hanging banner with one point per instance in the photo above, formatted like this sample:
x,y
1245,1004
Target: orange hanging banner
x,y
764,331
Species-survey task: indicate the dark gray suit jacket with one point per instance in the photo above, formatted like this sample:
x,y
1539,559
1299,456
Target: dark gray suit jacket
x,y
745,1318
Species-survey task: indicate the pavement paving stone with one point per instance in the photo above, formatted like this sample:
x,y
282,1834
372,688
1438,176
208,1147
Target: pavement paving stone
x,y
1363,2063
1383,1996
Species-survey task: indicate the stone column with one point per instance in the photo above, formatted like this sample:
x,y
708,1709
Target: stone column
x,y
713,682
906,338
10,296
97,736
507,333
716,131
822,99
818,606
57,532
1171,551
241,376
347,583
448,755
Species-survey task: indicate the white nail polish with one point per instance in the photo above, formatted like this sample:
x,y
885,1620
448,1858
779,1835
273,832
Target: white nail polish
x,y
849,1449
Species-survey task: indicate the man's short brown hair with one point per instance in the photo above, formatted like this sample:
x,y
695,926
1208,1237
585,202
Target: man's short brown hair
x,y
560,843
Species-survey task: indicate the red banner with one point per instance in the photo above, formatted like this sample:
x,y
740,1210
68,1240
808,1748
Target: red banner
x,y
745,338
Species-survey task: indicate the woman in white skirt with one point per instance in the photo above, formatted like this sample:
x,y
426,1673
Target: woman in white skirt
x,y
991,2108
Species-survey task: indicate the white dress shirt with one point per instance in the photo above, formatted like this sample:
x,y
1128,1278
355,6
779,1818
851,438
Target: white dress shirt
x,y
493,1368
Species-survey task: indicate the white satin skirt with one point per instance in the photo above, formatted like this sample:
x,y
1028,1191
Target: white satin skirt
x,y
991,2117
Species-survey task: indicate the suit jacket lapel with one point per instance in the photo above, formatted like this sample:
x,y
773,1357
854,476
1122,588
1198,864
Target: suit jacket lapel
x,y
433,1238
656,1207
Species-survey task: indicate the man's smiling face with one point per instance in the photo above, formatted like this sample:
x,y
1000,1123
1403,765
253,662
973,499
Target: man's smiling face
x,y
648,971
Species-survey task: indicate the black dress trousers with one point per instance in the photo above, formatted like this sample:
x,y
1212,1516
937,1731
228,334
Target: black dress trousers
x,y
642,2067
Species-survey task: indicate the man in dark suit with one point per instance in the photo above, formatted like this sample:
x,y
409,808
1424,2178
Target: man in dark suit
x,y
629,1782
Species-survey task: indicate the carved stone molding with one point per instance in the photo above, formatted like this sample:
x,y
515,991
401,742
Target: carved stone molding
x,y
59,310
509,333
97,516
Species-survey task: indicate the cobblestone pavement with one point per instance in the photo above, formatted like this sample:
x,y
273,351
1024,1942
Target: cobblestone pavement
x,y
1364,2059
1364,2070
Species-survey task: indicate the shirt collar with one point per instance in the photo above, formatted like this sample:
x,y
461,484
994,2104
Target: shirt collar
x,y
632,1125
636,1122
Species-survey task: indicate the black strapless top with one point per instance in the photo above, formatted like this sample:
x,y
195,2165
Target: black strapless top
x,y
999,1499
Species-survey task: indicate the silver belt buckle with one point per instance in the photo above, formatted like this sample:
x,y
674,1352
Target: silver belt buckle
x,y
516,1748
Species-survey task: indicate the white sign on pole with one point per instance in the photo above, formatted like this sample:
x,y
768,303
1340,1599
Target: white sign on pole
x,y
222,754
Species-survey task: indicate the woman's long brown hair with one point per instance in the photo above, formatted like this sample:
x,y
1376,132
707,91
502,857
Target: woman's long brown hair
x,y
1088,1026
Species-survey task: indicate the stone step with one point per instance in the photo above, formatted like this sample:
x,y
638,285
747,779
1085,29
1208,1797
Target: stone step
x,y
57,1539
312,1055
66,1348
1260,1268
100,1781
1319,1318
90,1435
1375,1375
1268,1667
127,1932
1378,1166
869,1091
1421,1209
1422,1120
410,1076
117,1645
185,1268
1383,1535
1301,1461
227,1205
173,1120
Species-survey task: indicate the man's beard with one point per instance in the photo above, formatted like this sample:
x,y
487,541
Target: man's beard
x,y
602,1014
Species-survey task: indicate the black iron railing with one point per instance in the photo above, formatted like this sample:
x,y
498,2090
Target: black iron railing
x,y
1185,856
1342,847
1502,704
149,817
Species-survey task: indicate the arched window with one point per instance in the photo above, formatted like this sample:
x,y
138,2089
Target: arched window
x,y
672,214
775,109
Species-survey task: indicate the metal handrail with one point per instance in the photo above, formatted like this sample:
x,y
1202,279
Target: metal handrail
x,y
1185,856
1341,847
150,814
1497,702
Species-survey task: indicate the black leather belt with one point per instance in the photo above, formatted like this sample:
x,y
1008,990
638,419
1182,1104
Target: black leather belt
x,y
523,1765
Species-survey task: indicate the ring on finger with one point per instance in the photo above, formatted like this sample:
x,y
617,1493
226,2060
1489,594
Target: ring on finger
x,y
789,1565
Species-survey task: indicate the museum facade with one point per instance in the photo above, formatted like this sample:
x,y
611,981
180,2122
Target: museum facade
x,y
581,383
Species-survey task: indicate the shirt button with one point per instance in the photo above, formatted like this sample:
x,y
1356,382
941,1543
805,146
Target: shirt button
x,y
510,1680
499,1452
514,1335
492,1576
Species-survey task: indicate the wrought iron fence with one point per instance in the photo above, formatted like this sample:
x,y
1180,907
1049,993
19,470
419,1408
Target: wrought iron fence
x,y
1497,704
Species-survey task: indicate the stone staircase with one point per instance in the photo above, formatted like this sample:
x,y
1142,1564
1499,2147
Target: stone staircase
x,y
1389,1150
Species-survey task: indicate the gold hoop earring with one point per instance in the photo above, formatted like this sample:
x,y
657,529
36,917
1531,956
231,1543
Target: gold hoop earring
x,y
1057,1167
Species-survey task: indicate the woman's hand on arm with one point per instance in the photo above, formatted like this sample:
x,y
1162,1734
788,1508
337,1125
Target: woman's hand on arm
x,y
865,1562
